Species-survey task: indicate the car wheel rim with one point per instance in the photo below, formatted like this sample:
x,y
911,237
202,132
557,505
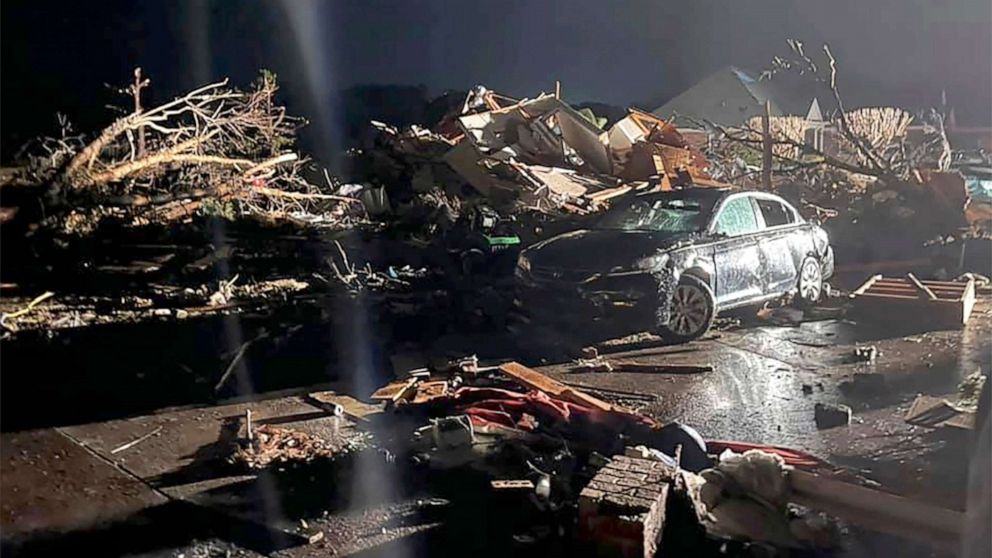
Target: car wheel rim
x,y
689,309
809,287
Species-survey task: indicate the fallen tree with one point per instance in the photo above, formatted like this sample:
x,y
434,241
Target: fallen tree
x,y
216,148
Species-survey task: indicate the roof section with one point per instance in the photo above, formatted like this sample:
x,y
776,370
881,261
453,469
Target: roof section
x,y
730,96
727,97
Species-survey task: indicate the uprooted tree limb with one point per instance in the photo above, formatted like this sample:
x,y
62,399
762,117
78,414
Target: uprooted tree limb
x,y
215,144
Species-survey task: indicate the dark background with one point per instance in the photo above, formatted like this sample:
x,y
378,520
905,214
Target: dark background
x,y
57,55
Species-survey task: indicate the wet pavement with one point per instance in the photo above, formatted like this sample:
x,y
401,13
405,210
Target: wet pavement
x,y
756,393
72,485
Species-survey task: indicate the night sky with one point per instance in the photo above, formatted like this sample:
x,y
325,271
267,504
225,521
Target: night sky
x,y
57,56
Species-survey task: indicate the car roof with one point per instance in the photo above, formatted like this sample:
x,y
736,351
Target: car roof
x,y
707,194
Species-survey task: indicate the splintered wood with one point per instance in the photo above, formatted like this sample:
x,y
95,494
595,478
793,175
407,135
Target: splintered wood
x,y
270,444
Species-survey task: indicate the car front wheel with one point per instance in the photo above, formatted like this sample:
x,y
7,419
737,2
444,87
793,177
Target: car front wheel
x,y
691,312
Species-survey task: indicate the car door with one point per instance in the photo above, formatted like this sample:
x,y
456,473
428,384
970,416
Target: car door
x,y
780,225
736,256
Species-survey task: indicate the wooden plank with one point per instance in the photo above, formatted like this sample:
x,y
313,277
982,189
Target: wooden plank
x,y
939,291
394,391
967,301
609,193
867,284
936,288
522,484
535,380
663,368
878,510
923,289
908,297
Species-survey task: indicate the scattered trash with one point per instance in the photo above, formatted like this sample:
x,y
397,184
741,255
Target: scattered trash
x,y
970,390
829,416
595,364
136,441
663,368
512,485
273,445
315,537
746,497
781,315
866,354
589,353
935,412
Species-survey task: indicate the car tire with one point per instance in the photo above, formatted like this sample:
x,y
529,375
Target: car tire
x,y
809,287
692,310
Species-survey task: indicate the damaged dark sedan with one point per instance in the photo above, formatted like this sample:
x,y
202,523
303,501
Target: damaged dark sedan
x,y
672,260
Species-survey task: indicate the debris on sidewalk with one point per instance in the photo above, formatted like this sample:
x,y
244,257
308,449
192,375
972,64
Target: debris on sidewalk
x,y
662,368
746,497
936,412
781,315
600,364
268,445
595,364
866,354
970,389
829,416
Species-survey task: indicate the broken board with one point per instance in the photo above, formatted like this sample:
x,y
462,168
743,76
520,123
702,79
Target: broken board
x,y
907,300
934,412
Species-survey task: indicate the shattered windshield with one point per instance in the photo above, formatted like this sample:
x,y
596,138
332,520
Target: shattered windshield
x,y
672,215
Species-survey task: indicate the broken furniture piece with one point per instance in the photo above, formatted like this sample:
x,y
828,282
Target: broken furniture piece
x,y
908,300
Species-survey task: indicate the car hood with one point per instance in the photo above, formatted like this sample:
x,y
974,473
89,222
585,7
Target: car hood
x,y
599,250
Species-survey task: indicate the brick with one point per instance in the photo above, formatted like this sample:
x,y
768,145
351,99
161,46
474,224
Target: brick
x,y
591,493
641,466
608,476
618,465
635,483
655,478
621,511
650,493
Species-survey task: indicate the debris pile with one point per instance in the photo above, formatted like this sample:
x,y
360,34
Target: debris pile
x,y
746,497
539,154
629,482
268,445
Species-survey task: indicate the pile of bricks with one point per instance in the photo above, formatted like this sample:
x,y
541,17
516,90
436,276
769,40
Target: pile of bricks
x,y
622,509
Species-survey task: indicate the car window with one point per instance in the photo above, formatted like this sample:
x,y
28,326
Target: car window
x,y
665,215
737,217
774,213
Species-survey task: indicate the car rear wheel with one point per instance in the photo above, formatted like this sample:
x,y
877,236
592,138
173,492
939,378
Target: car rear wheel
x,y
810,287
691,312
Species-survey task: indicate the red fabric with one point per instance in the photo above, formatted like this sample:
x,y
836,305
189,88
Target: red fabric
x,y
508,408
